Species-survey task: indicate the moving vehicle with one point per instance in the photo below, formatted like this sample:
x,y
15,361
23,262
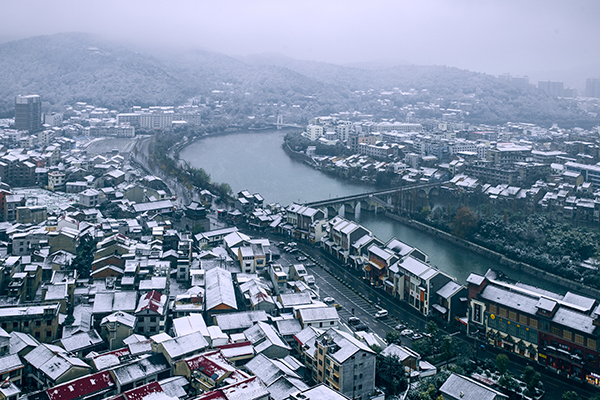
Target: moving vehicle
x,y
353,321
407,332
362,328
417,336
400,327
328,300
381,314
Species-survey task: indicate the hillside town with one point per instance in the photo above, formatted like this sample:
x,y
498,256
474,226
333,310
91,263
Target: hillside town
x,y
113,287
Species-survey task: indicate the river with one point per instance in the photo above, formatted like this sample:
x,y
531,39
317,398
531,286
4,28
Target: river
x,y
255,161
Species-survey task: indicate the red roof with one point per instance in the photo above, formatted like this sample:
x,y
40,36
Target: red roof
x,y
124,351
234,345
140,392
153,295
214,395
208,367
81,387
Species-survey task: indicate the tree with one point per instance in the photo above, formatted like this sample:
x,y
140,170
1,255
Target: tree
x,y
465,222
393,336
390,375
502,362
432,329
570,395
85,256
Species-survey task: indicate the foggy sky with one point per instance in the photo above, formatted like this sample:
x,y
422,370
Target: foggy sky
x,y
497,36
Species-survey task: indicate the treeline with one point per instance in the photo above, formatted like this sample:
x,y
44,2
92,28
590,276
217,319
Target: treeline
x,y
163,155
537,240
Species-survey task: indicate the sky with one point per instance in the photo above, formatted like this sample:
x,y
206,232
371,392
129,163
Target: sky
x,y
492,36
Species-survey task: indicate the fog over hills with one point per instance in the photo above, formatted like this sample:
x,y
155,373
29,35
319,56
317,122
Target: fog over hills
x,y
69,67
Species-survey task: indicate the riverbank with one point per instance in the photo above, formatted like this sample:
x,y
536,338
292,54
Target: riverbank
x,y
503,260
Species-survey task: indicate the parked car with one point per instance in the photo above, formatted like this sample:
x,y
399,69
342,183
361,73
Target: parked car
x,y
353,321
328,300
301,258
381,314
407,332
416,336
362,328
400,327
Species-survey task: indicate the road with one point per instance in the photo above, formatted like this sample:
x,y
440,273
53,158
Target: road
x,y
350,291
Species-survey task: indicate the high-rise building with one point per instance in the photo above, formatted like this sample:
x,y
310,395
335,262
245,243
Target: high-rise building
x,y
592,87
552,88
28,113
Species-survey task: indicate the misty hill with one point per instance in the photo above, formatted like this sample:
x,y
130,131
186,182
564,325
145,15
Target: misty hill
x,y
71,67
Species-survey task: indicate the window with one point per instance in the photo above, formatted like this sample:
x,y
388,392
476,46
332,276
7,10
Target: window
x,y
523,319
502,312
359,387
578,339
533,323
37,334
48,333
567,335
555,331
152,329
15,325
141,319
38,323
512,315
591,343
320,362
360,376
48,322
4,325
152,319
26,324
141,329
320,351
493,309
320,324
331,323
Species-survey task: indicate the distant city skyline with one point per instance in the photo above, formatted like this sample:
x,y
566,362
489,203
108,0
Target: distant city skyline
x,y
546,40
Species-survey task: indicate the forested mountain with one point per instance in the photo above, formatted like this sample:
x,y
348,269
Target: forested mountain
x,y
71,67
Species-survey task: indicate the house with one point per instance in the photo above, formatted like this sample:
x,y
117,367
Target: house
x,y
280,379
181,346
141,372
206,371
458,387
319,317
248,389
267,341
239,321
91,387
51,365
192,323
151,313
40,321
220,293
115,327
11,369
408,357
82,343
106,303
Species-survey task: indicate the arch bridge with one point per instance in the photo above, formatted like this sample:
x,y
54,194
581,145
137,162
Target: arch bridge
x,y
405,198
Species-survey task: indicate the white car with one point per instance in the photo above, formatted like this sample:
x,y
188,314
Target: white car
x,y
407,332
381,314
328,300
